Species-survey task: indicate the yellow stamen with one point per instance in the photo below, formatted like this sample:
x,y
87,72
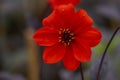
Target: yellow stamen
x,y
60,40
67,29
73,38
65,44
68,43
70,40
61,29
66,36
60,37
60,32
71,34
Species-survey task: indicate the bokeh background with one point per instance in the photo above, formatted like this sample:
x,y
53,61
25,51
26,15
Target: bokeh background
x,y
21,58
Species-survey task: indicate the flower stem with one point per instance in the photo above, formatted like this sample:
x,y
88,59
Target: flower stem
x,y
102,59
81,71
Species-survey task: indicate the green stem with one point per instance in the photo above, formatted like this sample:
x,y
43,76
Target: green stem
x,y
103,57
81,71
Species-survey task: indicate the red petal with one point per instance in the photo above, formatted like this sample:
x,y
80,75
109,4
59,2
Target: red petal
x,y
56,3
92,36
81,21
60,17
65,13
54,53
46,36
69,61
82,51
52,21
75,2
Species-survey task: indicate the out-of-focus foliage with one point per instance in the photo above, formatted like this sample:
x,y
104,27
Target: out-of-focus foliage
x,y
20,58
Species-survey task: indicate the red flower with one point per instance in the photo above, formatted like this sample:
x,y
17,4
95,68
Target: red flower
x,y
55,3
68,35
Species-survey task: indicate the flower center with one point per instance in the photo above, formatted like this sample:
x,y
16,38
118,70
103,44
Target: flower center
x,y
66,36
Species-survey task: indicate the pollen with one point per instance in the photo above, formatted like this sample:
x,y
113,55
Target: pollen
x,y
66,36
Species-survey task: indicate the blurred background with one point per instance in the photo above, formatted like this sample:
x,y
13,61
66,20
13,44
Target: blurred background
x,y
20,57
